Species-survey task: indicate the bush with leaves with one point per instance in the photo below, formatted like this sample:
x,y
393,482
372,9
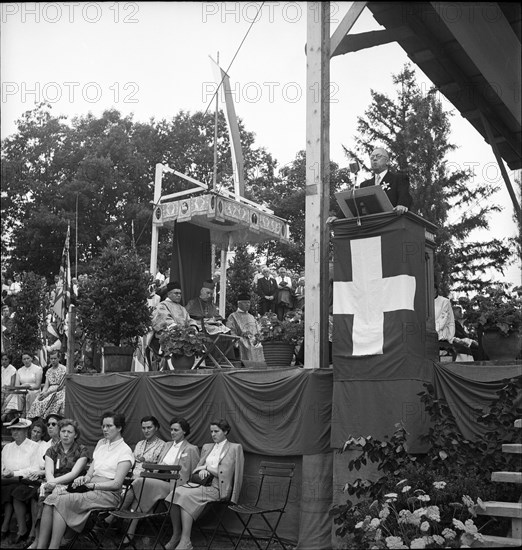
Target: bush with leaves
x,y
463,466
112,303
29,317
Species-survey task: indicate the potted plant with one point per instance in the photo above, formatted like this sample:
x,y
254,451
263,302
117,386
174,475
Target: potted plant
x,y
112,305
181,343
279,339
496,316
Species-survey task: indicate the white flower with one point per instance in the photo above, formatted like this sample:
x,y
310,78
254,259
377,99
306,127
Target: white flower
x,y
359,525
375,523
406,488
385,512
470,527
438,539
458,524
395,542
467,501
424,498
439,484
449,534
405,516
433,513
418,543
425,526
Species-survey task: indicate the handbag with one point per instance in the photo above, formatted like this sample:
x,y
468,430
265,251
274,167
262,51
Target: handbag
x,y
196,480
79,489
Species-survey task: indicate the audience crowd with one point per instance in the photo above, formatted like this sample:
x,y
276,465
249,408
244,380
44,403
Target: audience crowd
x,y
51,482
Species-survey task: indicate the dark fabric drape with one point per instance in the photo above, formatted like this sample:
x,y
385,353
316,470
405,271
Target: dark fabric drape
x,y
474,387
278,413
191,258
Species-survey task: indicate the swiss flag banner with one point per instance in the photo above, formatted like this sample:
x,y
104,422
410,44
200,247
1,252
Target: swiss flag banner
x,y
379,336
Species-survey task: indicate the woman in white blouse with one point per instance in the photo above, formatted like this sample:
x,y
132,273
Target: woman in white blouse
x,y
222,460
29,376
111,461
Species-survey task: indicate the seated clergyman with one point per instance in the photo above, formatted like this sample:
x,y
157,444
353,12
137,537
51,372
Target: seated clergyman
x,y
170,311
204,310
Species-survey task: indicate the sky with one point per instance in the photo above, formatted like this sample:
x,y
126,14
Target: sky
x,y
152,59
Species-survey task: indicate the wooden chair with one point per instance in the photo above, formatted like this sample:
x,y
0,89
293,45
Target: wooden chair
x,y
270,473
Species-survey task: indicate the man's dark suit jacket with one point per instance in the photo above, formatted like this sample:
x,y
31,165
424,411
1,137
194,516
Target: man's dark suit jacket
x,y
266,287
397,187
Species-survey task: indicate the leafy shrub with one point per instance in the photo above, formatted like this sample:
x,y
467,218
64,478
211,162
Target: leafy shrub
x,y
463,467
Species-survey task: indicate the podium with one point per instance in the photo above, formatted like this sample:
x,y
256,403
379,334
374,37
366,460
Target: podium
x,y
384,338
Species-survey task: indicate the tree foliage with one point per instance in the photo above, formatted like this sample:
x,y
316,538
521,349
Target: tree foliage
x,y
103,168
29,321
112,302
286,196
239,280
415,129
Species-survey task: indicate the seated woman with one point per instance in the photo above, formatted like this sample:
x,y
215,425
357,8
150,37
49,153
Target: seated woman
x,y
29,376
9,402
178,451
52,397
111,461
222,460
19,471
64,462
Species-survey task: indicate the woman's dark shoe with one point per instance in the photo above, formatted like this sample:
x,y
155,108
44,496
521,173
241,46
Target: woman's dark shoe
x,y
4,534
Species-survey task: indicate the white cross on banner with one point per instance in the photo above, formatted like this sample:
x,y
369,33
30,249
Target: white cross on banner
x,y
368,296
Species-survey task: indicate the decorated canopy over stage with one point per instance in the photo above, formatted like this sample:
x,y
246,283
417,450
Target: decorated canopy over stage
x,y
227,218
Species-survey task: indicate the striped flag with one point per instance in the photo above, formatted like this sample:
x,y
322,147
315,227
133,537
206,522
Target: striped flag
x,y
62,297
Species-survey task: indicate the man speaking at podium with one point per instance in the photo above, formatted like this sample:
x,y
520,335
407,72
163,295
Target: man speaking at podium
x,y
396,185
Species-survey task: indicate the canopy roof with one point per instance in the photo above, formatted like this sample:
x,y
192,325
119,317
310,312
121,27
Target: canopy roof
x,y
471,51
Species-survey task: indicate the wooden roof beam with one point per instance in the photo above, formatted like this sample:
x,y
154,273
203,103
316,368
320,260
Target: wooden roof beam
x,y
356,42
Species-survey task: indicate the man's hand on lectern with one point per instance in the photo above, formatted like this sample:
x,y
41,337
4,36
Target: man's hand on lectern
x,y
399,209
331,219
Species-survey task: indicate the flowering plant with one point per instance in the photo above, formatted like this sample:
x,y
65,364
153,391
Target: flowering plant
x,y
413,518
498,307
182,340
271,329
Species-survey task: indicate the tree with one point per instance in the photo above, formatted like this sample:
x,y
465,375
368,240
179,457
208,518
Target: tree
x,y
286,196
29,317
415,129
239,279
112,303
103,168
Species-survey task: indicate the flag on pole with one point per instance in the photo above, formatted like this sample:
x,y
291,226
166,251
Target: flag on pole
x,y
238,165
62,298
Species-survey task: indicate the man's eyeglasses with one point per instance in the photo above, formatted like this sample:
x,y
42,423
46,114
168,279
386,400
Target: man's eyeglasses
x,y
52,423
173,292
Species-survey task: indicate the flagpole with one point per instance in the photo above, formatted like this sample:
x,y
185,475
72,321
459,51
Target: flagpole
x,y
76,244
214,178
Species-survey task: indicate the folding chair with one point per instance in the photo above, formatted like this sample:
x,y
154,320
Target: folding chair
x,y
276,474
217,508
89,532
163,472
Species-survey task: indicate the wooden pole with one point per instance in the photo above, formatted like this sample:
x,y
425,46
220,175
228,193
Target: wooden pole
x,y
154,241
76,244
71,331
317,184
